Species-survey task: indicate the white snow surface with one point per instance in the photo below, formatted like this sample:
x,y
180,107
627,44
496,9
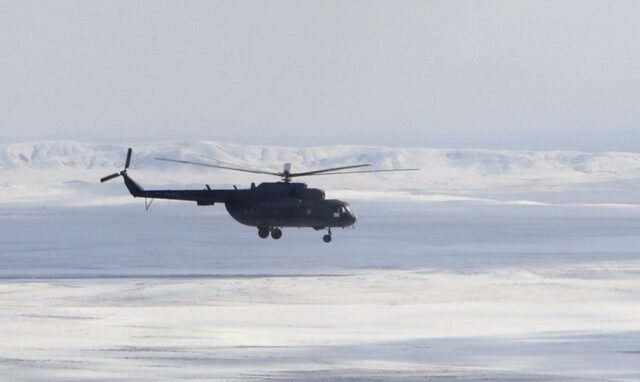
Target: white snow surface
x,y
483,266
48,169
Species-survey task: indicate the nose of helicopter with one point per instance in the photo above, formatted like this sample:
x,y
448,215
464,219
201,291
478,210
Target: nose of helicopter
x,y
352,216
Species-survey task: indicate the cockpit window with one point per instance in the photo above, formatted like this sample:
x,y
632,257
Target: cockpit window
x,y
339,211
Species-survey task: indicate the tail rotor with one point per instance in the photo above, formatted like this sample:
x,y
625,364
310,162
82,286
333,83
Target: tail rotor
x,y
123,172
126,164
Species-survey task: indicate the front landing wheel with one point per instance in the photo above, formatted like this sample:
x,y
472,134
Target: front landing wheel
x,y
326,238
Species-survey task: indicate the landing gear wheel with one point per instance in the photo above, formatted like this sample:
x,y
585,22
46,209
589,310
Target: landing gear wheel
x,y
327,238
276,233
263,232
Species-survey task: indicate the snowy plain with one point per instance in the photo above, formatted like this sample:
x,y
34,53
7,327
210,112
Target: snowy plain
x,y
484,265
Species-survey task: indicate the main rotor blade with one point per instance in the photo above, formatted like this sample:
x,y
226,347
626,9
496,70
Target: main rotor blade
x,y
126,165
107,178
328,170
222,167
369,171
216,160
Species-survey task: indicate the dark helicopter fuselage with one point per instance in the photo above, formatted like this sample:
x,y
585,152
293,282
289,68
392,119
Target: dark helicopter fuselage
x,y
281,204
270,204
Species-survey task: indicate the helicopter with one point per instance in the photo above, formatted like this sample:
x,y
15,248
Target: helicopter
x,y
269,206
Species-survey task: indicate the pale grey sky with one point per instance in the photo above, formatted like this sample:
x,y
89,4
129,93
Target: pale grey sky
x,y
496,74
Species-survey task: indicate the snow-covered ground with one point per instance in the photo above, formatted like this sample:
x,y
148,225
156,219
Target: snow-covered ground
x,y
67,171
486,265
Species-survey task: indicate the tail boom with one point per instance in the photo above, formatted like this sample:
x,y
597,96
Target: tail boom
x,y
202,197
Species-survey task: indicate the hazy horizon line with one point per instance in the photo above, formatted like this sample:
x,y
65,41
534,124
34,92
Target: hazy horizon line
x,y
379,140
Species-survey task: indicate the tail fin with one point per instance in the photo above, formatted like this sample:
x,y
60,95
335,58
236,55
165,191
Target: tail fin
x,y
134,188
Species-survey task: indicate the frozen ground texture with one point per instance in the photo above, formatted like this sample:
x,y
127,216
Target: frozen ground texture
x,y
486,265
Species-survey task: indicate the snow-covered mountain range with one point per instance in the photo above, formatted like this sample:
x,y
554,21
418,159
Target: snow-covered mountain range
x,y
46,165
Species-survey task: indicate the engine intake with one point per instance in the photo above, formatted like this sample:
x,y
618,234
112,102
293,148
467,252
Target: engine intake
x,y
310,193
